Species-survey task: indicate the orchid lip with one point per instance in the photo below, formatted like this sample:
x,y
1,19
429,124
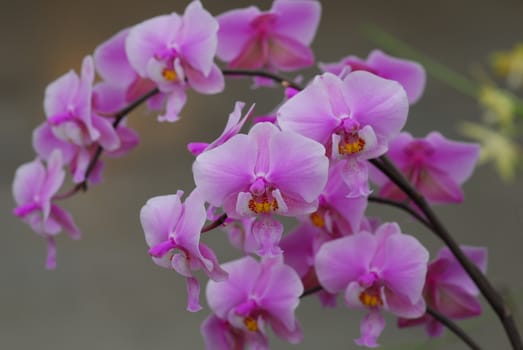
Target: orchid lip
x,y
25,209
60,118
160,249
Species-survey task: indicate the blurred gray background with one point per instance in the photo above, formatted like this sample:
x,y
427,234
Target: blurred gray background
x,y
106,293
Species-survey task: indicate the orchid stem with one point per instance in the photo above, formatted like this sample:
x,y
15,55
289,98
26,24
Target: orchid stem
x,y
119,116
403,206
493,297
216,223
454,328
263,74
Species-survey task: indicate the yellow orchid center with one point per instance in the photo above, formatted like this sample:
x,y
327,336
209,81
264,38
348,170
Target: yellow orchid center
x,y
263,205
317,219
351,147
370,299
169,74
251,324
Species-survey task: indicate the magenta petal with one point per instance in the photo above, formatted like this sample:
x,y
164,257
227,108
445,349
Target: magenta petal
x,y
197,148
50,262
434,328
298,20
198,37
226,169
309,113
403,261
108,98
303,159
409,74
267,231
111,60
45,142
28,182
371,327
253,56
335,194
396,153
235,31
356,177
377,102
217,334
457,159
187,233
193,295
289,54
65,219
215,272
352,295
223,296
149,38
108,137
54,178
343,260
212,83
173,105
438,187
293,335
298,250
61,93
454,274
401,306
279,288
457,303
159,217
129,139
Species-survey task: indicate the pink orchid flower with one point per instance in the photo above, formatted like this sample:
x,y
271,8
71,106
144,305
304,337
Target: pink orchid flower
x,y
436,166
354,118
299,250
172,231
384,270
338,214
409,74
176,52
278,39
256,295
251,175
121,84
33,189
449,290
79,157
69,111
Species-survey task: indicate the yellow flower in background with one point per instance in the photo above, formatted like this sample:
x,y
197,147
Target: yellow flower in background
x,y
500,106
496,147
509,65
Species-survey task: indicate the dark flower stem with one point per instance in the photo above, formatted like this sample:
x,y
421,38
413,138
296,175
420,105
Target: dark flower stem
x,y
216,223
263,74
489,292
119,116
403,206
454,328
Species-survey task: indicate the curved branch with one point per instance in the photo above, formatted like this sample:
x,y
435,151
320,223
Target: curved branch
x,y
403,206
263,74
216,223
454,328
487,290
119,116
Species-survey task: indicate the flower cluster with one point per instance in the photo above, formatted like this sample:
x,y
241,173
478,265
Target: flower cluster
x,y
312,161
